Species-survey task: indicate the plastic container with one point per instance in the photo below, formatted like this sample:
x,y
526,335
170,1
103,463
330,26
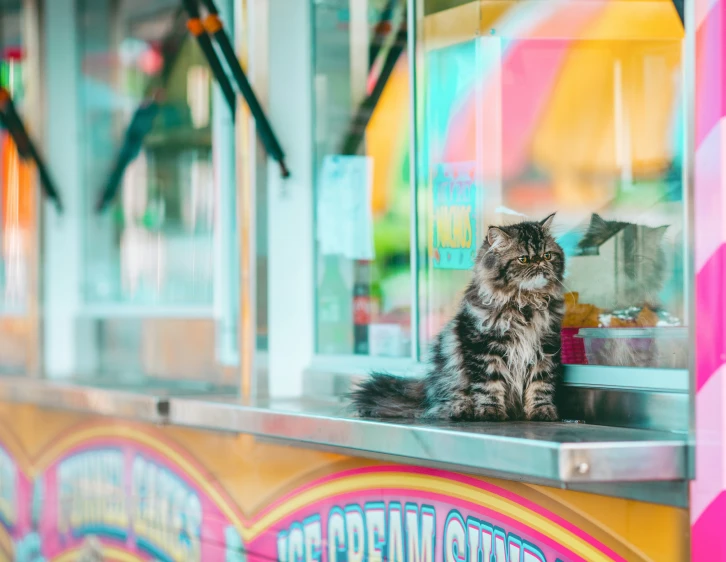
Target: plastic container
x,y
662,347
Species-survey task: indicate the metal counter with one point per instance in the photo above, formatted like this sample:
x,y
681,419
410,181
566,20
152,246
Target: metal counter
x,y
559,453
640,464
149,406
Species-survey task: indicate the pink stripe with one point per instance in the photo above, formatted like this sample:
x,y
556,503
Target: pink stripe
x,y
528,78
710,307
703,8
709,200
707,542
710,431
710,72
455,478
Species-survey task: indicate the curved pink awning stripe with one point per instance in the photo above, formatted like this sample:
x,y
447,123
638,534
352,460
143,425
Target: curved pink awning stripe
x,y
528,78
529,70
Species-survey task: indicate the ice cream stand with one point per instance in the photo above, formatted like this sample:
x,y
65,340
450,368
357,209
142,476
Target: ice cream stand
x,y
612,107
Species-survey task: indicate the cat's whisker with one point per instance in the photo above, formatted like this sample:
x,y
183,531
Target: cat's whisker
x,y
565,287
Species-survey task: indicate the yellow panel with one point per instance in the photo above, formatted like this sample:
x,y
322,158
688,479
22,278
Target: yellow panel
x,y
257,485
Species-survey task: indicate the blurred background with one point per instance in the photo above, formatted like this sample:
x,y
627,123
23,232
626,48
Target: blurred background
x,y
506,111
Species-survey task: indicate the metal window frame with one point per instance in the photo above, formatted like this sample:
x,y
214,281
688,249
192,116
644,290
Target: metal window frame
x,y
63,245
309,369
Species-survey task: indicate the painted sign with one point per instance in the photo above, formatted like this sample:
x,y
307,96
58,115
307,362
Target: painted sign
x,y
8,490
454,211
122,492
117,498
418,515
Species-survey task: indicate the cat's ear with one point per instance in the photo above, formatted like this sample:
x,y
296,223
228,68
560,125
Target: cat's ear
x,y
597,221
661,230
547,222
496,236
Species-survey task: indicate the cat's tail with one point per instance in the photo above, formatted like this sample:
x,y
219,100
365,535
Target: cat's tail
x,y
387,396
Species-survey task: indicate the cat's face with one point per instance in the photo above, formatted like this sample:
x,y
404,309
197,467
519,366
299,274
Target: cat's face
x,y
641,268
523,257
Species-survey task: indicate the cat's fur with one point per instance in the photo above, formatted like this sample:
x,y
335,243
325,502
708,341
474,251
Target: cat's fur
x,y
499,357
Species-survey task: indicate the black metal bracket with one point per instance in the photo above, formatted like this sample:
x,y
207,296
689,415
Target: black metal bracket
x,y
680,8
196,28
358,124
213,27
144,116
10,119
143,119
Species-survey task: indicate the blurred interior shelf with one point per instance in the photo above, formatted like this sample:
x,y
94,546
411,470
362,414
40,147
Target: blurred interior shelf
x,y
635,463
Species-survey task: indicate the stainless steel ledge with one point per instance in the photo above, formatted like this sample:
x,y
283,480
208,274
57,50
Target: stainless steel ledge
x,y
641,464
638,407
107,401
557,453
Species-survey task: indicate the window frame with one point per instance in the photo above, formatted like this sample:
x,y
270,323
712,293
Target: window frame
x,y
63,256
289,378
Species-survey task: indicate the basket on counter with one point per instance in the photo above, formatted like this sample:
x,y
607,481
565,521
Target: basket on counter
x,y
664,347
573,347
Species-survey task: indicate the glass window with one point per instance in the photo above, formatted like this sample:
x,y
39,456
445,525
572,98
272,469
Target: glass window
x,y
18,198
158,240
576,107
362,115
154,245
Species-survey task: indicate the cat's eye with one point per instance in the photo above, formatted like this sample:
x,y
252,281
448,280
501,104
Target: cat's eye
x,y
523,259
547,256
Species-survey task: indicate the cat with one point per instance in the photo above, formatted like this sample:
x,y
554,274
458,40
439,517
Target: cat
x,y
499,357
639,275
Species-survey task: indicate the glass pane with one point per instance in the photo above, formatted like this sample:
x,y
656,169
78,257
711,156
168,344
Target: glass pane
x,y
155,245
152,259
362,106
530,108
18,222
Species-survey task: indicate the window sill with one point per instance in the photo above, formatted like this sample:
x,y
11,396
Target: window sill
x,y
635,463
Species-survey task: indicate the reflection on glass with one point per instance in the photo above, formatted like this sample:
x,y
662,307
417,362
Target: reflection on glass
x,y
16,176
148,282
362,195
574,108
17,204
155,245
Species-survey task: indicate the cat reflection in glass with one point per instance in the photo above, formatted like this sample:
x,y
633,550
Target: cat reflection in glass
x,y
621,268
630,269
499,357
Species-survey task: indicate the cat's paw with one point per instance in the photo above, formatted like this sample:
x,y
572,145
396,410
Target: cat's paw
x,y
455,410
546,413
490,413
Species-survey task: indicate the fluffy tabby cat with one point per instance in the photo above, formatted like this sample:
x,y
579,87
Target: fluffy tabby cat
x,y
498,358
